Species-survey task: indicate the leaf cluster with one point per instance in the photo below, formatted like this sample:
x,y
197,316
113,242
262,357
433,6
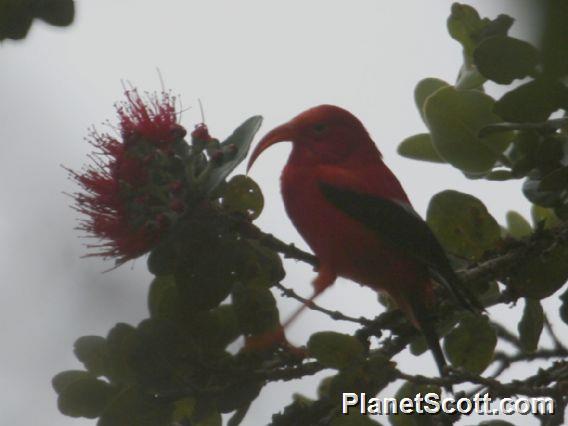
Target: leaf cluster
x,y
508,138
16,16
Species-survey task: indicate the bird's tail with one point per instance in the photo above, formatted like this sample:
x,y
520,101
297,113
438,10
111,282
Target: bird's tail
x,y
450,280
426,324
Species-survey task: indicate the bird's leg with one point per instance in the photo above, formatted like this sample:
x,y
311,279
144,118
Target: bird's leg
x,y
324,279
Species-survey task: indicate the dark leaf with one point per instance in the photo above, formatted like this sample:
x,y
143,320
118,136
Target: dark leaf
x,y
87,397
531,324
161,260
122,341
255,308
163,298
462,224
563,308
471,344
532,102
424,89
419,147
410,390
238,395
242,195
455,118
555,39
134,408
65,378
215,329
531,189
353,419
542,275
92,352
556,180
517,225
55,12
335,350
465,25
541,215
183,409
503,59
499,175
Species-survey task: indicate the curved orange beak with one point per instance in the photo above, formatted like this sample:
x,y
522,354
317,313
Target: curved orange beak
x,y
281,133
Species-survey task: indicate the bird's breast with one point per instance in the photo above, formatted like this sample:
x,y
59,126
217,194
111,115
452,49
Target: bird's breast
x,y
344,245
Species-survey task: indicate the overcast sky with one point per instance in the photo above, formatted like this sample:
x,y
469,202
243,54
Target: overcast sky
x,y
246,57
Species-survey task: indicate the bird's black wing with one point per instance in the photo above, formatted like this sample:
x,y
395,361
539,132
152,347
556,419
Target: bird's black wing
x,y
401,227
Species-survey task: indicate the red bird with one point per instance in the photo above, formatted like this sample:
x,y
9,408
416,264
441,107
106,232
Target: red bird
x,y
352,211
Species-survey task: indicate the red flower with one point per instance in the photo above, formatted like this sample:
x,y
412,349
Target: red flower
x,y
125,190
201,132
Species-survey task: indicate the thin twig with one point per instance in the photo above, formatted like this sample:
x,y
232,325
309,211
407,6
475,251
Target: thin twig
x,y
336,315
557,342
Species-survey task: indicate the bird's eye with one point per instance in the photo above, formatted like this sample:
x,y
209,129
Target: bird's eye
x,y
320,128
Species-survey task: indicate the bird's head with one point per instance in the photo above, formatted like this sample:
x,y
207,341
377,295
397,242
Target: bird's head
x,y
323,134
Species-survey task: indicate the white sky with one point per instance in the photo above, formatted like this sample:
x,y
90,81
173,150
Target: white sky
x,y
241,58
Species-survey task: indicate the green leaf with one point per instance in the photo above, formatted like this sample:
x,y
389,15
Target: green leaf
x,y
532,190
455,118
471,344
255,308
335,350
238,395
517,225
243,195
541,276
410,390
16,16
531,324
532,102
161,260
132,407
465,25
424,89
555,39
368,376
353,419
122,341
563,307
56,12
418,346
153,357
504,59
92,352
207,268
65,378
215,329
163,298
86,397
183,409
419,147
542,214
213,419
462,224
241,140
499,175
15,19
556,180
